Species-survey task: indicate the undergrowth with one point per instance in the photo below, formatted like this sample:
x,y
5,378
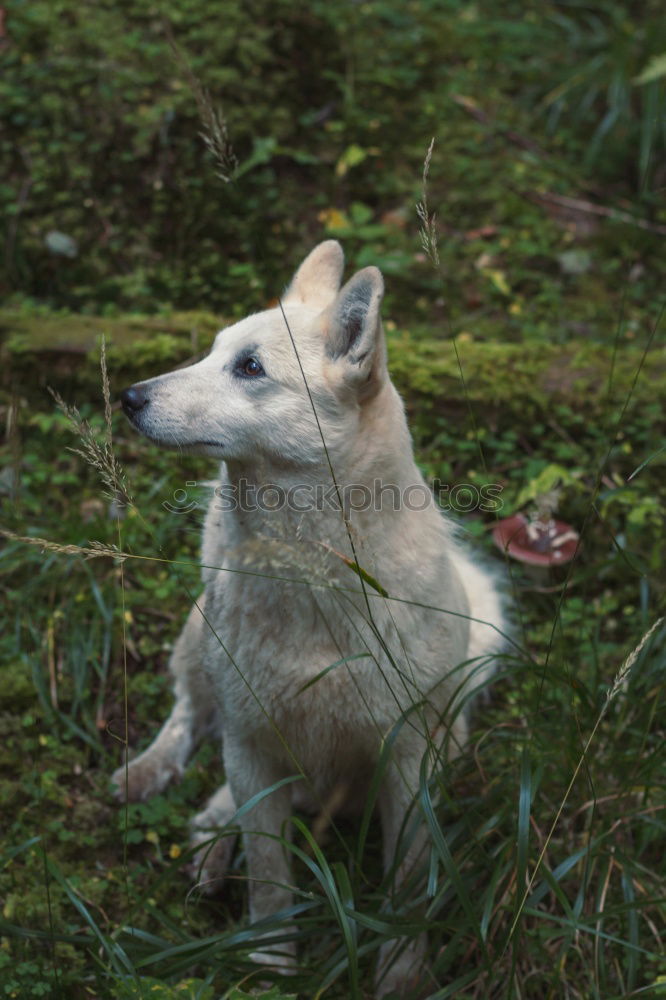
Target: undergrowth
x,y
545,870
545,876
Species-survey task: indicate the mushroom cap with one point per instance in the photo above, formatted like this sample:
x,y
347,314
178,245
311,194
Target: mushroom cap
x,y
535,543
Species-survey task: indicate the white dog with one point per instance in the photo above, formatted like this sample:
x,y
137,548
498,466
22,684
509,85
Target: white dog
x,y
322,549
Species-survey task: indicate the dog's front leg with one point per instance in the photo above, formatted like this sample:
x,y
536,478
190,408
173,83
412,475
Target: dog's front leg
x,y
193,716
165,758
211,861
401,963
265,827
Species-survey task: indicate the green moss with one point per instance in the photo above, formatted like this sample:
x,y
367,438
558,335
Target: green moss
x,y
63,350
37,331
497,374
505,380
17,687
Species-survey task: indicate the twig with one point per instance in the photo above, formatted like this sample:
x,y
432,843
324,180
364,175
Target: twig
x,y
473,109
50,656
590,208
98,454
215,132
573,204
21,201
96,550
428,231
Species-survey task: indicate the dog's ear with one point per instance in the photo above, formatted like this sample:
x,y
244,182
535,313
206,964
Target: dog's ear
x,y
354,332
317,280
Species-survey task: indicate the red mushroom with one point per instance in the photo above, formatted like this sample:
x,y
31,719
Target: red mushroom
x,y
538,542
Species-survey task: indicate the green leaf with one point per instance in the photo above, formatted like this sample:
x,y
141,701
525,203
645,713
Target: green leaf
x,y
352,156
332,666
548,478
655,69
275,993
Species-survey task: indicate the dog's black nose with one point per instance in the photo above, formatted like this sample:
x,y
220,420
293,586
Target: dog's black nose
x,y
133,399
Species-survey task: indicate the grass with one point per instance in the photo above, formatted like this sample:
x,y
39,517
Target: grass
x,y
545,873
546,837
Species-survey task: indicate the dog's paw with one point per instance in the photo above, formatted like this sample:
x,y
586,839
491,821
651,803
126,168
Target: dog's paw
x,y
211,862
282,959
400,972
142,778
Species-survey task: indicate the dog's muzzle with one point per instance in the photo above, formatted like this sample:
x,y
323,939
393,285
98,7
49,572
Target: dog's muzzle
x,y
134,399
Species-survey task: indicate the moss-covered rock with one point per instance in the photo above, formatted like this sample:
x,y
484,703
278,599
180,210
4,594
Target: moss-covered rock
x,y
523,380
63,349
501,381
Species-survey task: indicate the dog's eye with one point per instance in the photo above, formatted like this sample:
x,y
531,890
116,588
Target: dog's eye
x,y
251,367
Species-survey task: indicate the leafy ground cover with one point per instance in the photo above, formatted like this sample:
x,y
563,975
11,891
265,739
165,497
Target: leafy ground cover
x,y
546,877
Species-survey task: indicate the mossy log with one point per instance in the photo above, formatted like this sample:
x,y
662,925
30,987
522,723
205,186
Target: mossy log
x,y
504,382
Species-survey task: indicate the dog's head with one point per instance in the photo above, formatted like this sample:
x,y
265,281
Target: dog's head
x,y
279,381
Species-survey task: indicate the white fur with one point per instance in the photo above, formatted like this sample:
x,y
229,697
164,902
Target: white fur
x,y
282,604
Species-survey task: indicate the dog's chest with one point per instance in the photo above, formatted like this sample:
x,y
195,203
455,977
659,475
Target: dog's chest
x,y
282,655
